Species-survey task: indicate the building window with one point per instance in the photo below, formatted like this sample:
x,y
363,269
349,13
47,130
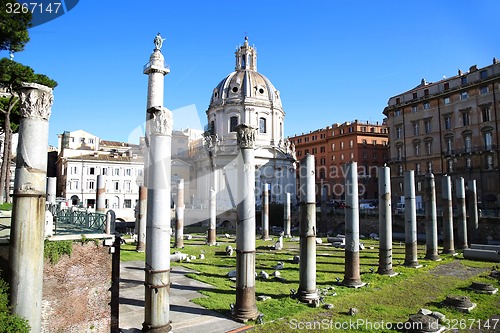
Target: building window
x,y
416,128
488,140
351,144
483,74
426,92
468,163
447,122
464,95
139,172
429,167
233,122
399,153
418,171
449,144
365,155
322,149
90,184
91,171
463,80
342,145
399,132
446,100
427,106
465,118
342,157
306,151
483,90
417,149
74,184
116,172
400,170
374,142
414,95
468,143
352,156
489,162
128,172
363,129
315,151
127,203
414,108
428,146
262,125
446,86
104,171
322,161
126,186
485,112
427,125
73,170
333,146
397,113
116,185
333,157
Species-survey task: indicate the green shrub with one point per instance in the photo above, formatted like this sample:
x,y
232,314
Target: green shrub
x,y
6,206
10,323
54,250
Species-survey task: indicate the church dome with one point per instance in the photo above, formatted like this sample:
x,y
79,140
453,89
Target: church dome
x,y
245,85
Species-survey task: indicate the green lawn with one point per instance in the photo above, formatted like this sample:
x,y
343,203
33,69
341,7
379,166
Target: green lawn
x,y
384,299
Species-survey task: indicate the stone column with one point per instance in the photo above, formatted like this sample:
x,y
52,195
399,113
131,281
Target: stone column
x,y
110,222
287,228
473,224
179,216
352,277
212,212
100,195
157,299
411,259
431,233
141,217
245,307
385,223
448,242
28,215
461,215
265,211
307,231
51,190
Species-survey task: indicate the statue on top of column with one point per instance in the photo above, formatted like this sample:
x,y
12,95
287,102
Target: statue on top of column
x,y
158,41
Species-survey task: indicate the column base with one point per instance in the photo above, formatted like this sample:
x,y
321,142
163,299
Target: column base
x,y
388,272
307,296
433,257
413,264
212,238
147,328
353,283
141,247
245,308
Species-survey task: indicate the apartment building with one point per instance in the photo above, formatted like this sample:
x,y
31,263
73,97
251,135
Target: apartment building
x,y
364,142
448,127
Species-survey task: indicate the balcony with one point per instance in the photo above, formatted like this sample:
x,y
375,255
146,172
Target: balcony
x,y
474,150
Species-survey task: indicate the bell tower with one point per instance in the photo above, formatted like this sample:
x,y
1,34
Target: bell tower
x,y
246,57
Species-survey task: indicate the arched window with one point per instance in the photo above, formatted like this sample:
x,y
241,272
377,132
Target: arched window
x,y
262,125
212,127
233,122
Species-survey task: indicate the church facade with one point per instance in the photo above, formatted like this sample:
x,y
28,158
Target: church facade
x,y
245,97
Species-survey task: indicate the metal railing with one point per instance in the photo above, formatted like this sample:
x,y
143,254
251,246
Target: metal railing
x,y
78,219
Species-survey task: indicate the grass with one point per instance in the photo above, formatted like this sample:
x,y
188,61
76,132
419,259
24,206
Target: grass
x,y
387,299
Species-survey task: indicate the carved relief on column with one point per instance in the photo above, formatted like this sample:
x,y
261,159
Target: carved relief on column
x,y
36,101
246,136
161,120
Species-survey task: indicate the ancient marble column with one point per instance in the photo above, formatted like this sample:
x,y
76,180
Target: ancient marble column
x,y
179,215
51,190
448,242
28,214
352,277
212,212
245,307
473,223
307,291
431,232
157,300
461,214
287,227
100,195
324,216
411,259
385,222
265,211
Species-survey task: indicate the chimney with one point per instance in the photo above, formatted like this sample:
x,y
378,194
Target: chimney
x,y
473,68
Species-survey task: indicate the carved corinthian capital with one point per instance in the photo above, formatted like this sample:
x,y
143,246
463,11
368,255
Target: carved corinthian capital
x,y
161,120
246,136
36,101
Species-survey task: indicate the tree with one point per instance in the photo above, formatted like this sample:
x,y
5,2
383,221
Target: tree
x,y
14,28
12,75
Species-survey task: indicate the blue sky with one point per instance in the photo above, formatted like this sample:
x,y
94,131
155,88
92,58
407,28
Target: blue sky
x,y
332,61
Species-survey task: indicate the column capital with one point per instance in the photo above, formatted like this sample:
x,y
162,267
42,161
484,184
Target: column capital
x,y
246,136
36,101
